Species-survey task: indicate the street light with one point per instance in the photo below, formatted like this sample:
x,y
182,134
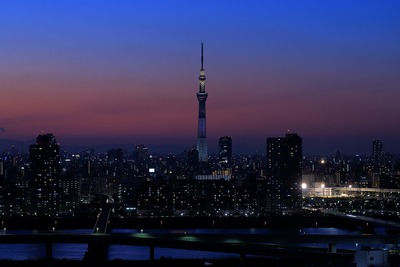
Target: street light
x,y
303,188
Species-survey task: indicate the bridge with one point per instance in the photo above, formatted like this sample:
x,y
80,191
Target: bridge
x,y
241,244
96,251
102,224
277,245
367,222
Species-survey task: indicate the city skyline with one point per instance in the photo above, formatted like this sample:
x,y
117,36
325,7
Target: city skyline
x,y
127,73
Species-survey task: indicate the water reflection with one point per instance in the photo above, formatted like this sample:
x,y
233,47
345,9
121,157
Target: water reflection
x,y
77,251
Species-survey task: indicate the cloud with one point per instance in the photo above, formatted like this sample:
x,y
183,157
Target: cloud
x,y
2,129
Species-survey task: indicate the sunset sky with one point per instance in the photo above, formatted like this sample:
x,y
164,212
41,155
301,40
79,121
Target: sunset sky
x,y
126,72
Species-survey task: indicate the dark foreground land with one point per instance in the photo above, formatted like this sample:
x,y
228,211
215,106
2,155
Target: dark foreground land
x,y
293,221
251,262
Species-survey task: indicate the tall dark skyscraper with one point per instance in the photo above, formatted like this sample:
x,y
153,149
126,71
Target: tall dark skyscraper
x,y
377,152
284,156
141,153
225,149
201,145
45,170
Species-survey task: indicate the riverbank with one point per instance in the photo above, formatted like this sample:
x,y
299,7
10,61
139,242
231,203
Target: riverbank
x,y
248,262
292,221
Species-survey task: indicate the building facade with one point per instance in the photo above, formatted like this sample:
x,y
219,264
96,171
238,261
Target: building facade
x,y
225,150
45,171
284,173
377,152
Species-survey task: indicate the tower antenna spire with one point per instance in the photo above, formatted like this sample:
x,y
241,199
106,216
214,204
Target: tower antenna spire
x,y
202,56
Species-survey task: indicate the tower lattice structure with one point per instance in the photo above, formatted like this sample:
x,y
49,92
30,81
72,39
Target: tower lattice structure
x,y
202,97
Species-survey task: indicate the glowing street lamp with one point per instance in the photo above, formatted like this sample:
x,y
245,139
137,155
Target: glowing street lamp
x,y
303,188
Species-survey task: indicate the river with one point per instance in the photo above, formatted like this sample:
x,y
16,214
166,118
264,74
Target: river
x,y
77,251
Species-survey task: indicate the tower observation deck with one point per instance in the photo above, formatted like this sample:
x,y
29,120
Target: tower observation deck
x,y
201,132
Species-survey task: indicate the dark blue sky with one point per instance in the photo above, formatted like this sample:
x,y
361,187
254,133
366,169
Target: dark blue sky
x,y
94,72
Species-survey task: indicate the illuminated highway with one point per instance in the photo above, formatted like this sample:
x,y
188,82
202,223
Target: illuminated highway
x,y
365,219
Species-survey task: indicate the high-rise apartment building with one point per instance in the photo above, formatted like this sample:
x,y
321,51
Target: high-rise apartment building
x,y
284,157
193,157
377,152
225,149
141,153
141,156
201,144
45,171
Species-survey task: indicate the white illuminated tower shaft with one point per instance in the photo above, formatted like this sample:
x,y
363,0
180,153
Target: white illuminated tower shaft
x,y
201,132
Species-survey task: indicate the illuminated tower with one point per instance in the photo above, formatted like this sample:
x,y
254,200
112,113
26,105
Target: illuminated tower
x,y
201,132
